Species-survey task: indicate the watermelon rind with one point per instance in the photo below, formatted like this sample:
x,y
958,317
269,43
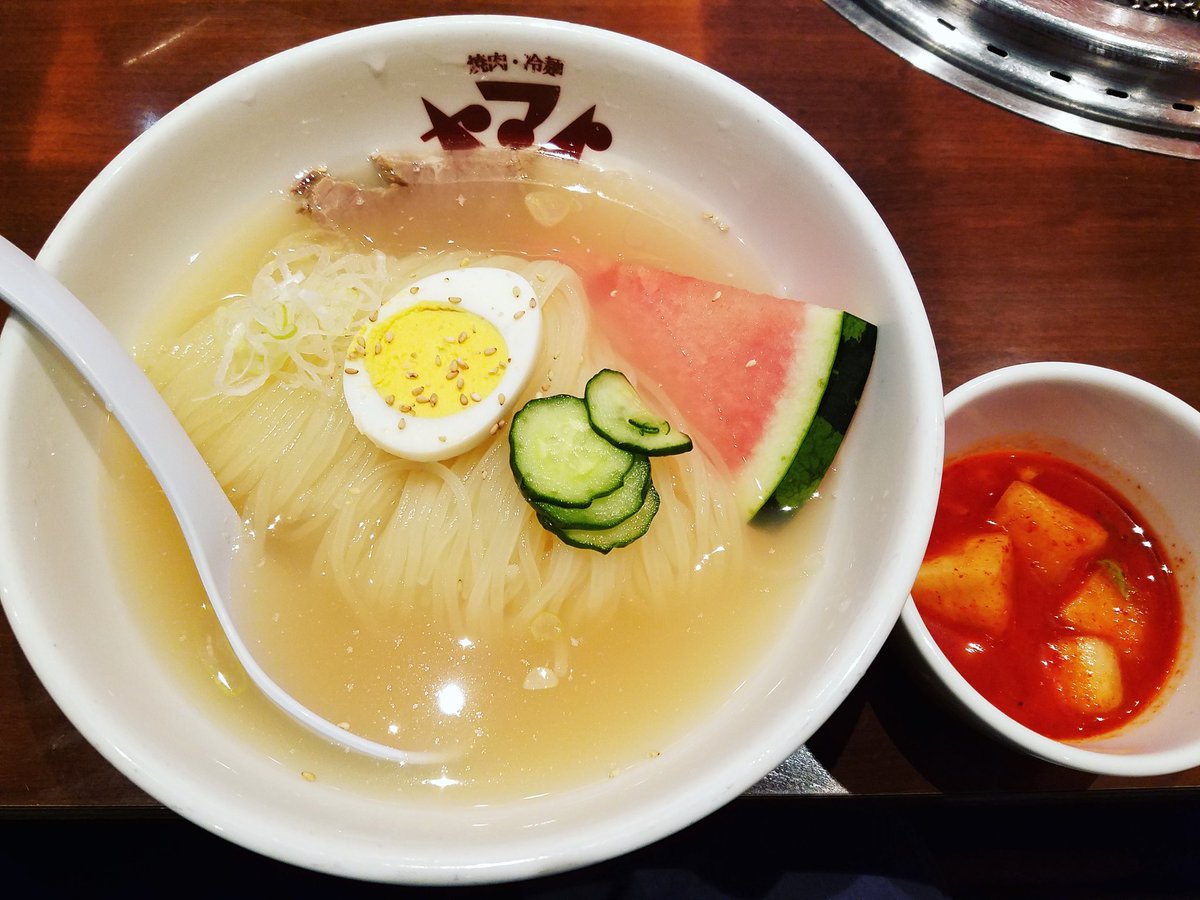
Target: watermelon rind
x,y
844,386
777,428
794,405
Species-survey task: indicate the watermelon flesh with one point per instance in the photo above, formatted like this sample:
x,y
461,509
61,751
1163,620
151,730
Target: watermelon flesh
x,y
769,384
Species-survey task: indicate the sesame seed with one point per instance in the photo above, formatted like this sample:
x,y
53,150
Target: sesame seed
x,y
418,390
389,336
389,399
451,374
406,407
350,371
495,427
518,314
751,364
402,424
374,316
442,438
475,396
378,348
716,296
362,341
501,398
459,384
461,363
433,398
462,337
413,290
488,351
437,360
533,302
516,291
462,398
422,399
411,374
455,299
308,776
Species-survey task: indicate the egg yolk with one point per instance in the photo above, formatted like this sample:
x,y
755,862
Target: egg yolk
x,y
433,360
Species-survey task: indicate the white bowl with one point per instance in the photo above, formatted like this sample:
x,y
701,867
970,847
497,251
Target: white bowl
x,y
1144,442
200,170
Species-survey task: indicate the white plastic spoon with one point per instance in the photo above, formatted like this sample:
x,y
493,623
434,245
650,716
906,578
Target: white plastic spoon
x,y
210,524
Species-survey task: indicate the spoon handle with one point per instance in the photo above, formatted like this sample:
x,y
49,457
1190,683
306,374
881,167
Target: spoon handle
x,y
210,523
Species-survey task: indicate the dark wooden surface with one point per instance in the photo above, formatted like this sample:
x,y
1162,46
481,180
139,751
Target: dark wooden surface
x,y
1026,244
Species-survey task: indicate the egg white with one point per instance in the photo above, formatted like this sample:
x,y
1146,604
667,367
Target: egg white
x,y
498,295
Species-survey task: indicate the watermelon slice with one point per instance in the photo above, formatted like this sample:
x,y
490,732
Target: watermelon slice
x,y
770,384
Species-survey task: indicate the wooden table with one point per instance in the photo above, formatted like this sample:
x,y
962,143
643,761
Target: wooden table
x,y
1026,244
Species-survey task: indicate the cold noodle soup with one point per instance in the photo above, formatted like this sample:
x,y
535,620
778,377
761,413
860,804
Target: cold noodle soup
x,y
420,602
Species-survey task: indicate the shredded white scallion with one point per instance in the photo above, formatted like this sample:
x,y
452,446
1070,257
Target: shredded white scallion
x,y
303,306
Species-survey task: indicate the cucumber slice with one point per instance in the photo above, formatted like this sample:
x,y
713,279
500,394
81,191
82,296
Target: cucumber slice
x,y
558,457
607,511
618,412
606,539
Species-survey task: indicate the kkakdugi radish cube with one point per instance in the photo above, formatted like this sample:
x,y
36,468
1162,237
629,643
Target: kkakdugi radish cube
x,y
1087,673
1053,538
1099,608
971,585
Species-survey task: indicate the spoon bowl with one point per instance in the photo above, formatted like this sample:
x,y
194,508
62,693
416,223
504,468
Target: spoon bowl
x,y
211,526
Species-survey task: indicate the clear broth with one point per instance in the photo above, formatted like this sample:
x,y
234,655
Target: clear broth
x,y
637,680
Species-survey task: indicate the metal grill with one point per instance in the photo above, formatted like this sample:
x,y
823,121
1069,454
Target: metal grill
x,y
1169,7
1122,71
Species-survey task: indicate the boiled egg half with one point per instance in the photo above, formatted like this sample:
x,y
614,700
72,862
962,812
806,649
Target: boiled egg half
x,y
436,367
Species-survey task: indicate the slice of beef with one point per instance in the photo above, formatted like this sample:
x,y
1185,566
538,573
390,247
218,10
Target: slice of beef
x,y
339,203
456,167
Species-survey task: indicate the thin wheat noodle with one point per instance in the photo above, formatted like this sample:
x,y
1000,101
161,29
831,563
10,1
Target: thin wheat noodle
x,y
453,541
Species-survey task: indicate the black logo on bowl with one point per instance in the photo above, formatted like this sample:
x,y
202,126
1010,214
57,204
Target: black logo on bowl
x,y
459,130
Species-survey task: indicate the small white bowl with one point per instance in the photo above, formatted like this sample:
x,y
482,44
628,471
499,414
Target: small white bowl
x,y
196,174
1145,443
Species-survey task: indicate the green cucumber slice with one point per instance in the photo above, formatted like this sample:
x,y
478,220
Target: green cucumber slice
x,y
618,412
605,539
607,511
558,457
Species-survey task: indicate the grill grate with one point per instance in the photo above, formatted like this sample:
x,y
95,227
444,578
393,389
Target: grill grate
x,y
1122,71
1169,7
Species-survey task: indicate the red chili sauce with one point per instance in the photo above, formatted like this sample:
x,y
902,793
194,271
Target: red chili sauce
x,y
1063,666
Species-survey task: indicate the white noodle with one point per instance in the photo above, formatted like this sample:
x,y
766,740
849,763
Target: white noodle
x,y
454,541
